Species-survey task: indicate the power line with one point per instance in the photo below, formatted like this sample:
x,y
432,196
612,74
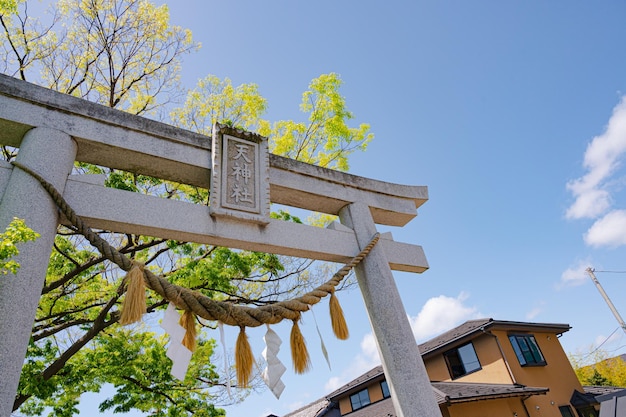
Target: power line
x,y
586,355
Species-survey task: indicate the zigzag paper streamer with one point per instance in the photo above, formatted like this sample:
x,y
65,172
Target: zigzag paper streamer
x,y
275,369
179,354
220,325
323,346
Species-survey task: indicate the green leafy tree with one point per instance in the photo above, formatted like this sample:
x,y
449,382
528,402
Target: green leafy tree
x,y
599,368
26,41
125,54
326,139
16,232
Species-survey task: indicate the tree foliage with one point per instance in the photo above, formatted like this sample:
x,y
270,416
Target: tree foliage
x,y
326,139
16,232
118,53
125,54
214,100
600,369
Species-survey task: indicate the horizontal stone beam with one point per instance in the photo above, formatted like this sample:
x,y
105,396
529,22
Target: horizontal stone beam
x,y
127,212
115,139
105,136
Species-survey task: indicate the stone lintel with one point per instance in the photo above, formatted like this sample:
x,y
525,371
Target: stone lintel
x,y
116,139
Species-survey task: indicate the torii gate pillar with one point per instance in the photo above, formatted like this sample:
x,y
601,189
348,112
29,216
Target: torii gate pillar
x,y
411,392
52,153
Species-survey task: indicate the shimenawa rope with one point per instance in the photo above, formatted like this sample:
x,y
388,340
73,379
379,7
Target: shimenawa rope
x,y
203,306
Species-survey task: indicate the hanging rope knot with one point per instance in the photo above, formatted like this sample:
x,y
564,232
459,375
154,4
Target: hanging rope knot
x,y
299,353
137,264
244,359
134,304
337,319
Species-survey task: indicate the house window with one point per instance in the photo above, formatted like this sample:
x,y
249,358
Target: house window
x,y
360,399
566,411
385,388
461,361
587,412
527,350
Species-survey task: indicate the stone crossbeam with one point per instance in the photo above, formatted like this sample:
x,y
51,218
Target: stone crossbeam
x,y
127,212
111,138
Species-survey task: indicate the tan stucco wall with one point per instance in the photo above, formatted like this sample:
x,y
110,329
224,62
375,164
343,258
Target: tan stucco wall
x,y
557,375
375,393
493,370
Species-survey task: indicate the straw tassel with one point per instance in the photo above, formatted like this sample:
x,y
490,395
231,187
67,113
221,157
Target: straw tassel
x,y
244,360
134,304
338,321
299,353
188,321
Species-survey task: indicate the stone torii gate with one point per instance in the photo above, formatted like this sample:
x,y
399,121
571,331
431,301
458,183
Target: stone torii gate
x,y
54,130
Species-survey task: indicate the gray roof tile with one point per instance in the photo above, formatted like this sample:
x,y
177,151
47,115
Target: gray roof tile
x,y
456,392
468,330
310,410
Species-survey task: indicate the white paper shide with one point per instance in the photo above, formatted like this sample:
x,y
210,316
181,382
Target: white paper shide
x,y
176,351
274,369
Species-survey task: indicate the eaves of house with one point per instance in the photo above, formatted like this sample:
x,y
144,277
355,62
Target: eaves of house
x,y
471,328
314,409
460,392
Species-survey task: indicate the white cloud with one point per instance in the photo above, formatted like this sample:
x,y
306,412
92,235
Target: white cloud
x,y
365,360
589,203
370,350
592,192
610,230
440,314
538,309
575,275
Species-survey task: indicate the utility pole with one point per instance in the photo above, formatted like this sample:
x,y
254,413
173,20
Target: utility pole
x,y
604,295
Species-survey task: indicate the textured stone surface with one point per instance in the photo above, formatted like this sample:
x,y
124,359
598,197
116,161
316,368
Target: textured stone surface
x,y
50,153
410,388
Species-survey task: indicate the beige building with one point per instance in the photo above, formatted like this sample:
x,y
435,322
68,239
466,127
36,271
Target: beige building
x,y
482,368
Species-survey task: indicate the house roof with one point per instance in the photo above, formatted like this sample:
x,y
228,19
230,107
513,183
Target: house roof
x,y
609,396
459,392
597,390
581,399
469,329
355,384
310,410
377,409
445,392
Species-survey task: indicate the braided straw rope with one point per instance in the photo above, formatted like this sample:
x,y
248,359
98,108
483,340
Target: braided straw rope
x,y
199,304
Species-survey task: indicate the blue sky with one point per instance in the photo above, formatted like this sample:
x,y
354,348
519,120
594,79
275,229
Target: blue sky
x,y
512,113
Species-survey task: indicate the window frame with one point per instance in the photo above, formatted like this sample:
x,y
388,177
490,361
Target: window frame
x,y
587,411
456,354
384,387
522,354
569,410
359,399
